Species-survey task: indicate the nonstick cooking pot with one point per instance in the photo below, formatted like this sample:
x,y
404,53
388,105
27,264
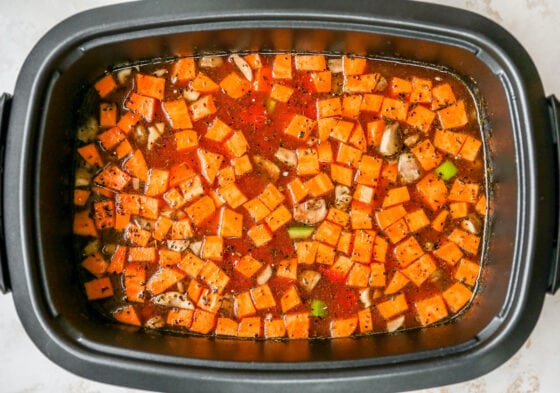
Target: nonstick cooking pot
x,y
520,126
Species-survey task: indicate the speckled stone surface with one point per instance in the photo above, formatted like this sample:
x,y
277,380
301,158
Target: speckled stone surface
x,y
535,368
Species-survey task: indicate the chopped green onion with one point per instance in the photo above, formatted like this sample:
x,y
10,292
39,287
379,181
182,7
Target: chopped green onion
x,y
300,232
318,308
270,105
447,170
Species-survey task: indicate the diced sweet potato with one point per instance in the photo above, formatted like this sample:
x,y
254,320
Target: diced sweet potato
x,y
300,127
421,118
306,251
426,155
203,321
433,191
236,145
439,221
417,220
203,107
235,86
463,192
232,195
214,277
397,231
274,328
118,260
467,241
449,142
202,210
431,310
141,105
226,327
319,185
95,264
470,149
344,327
168,257
365,321
453,116
328,232
325,254
281,93
191,264
136,165
107,114
457,296
180,317
421,270
204,84
458,209
467,272
396,196
83,224
134,281
287,269
421,91
213,248
358,276
231,223
164,278
104,214
248,266
296,190
342,174
380,248
250,327
364,83
157,182
394,109
297,325
127,315
243,305
290,299
322,81
183,70
105,85
307,162
282,66
353,65
262,297
260,235
150,86
408,251
393,307
348,155
363,246
442,96
329,107
278,218
177,114
397,282
90,154
361,215
241,165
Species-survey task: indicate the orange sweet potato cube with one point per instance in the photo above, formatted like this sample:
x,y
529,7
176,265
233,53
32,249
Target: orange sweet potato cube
x,y
467,241
408,251
397,231
213,248
325,254
278,218
328,232
394,109
431,310
421,270
226,327
433,191
248,266
287,269
262,297
300,127
392,307
232,195
426,155
256,209
396,196
329,107
231,223
297,325
281,93
365,321
180,317
214,277
417,220
421,118
203,321
282,66
105,85
363,246
348,155
218,131
358,276
307,162
274,328
177,113
467,272
342,174
442,96
456,296
260,235
202,210
296,190
453,116
203,107
361,215
241,165
306,251
290,299
343,327
243,305
250,327
235,86
271,196
319,185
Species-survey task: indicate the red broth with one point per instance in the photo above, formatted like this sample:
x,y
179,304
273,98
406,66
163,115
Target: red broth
x,y
280,196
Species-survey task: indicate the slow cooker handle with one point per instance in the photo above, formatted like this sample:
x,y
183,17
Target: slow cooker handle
x,y
554,279
5,104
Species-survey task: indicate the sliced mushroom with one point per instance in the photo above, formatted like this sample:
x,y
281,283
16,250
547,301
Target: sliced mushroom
x,y
395,324
156,322
308,279
160,72
408,168
196,247
178,245
83,177
88,131
472,224
269,167
122,75
436,275
154,133
243,66
411,140
190,94
227,308
381,84
342,197
210,61
286,156
173,299
390,140
144,223
311,211
365,297
264,276
135,183
141,135
335,65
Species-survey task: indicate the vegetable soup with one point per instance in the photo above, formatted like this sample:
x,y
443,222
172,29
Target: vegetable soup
x,y
280,196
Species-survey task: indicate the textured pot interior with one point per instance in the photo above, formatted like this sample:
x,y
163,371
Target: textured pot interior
x,y
82,65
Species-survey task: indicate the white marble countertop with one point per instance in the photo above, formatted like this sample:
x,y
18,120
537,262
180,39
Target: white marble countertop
x,y
535,23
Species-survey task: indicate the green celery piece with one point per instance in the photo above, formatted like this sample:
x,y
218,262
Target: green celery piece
x,y
447,170
300,232
318,308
